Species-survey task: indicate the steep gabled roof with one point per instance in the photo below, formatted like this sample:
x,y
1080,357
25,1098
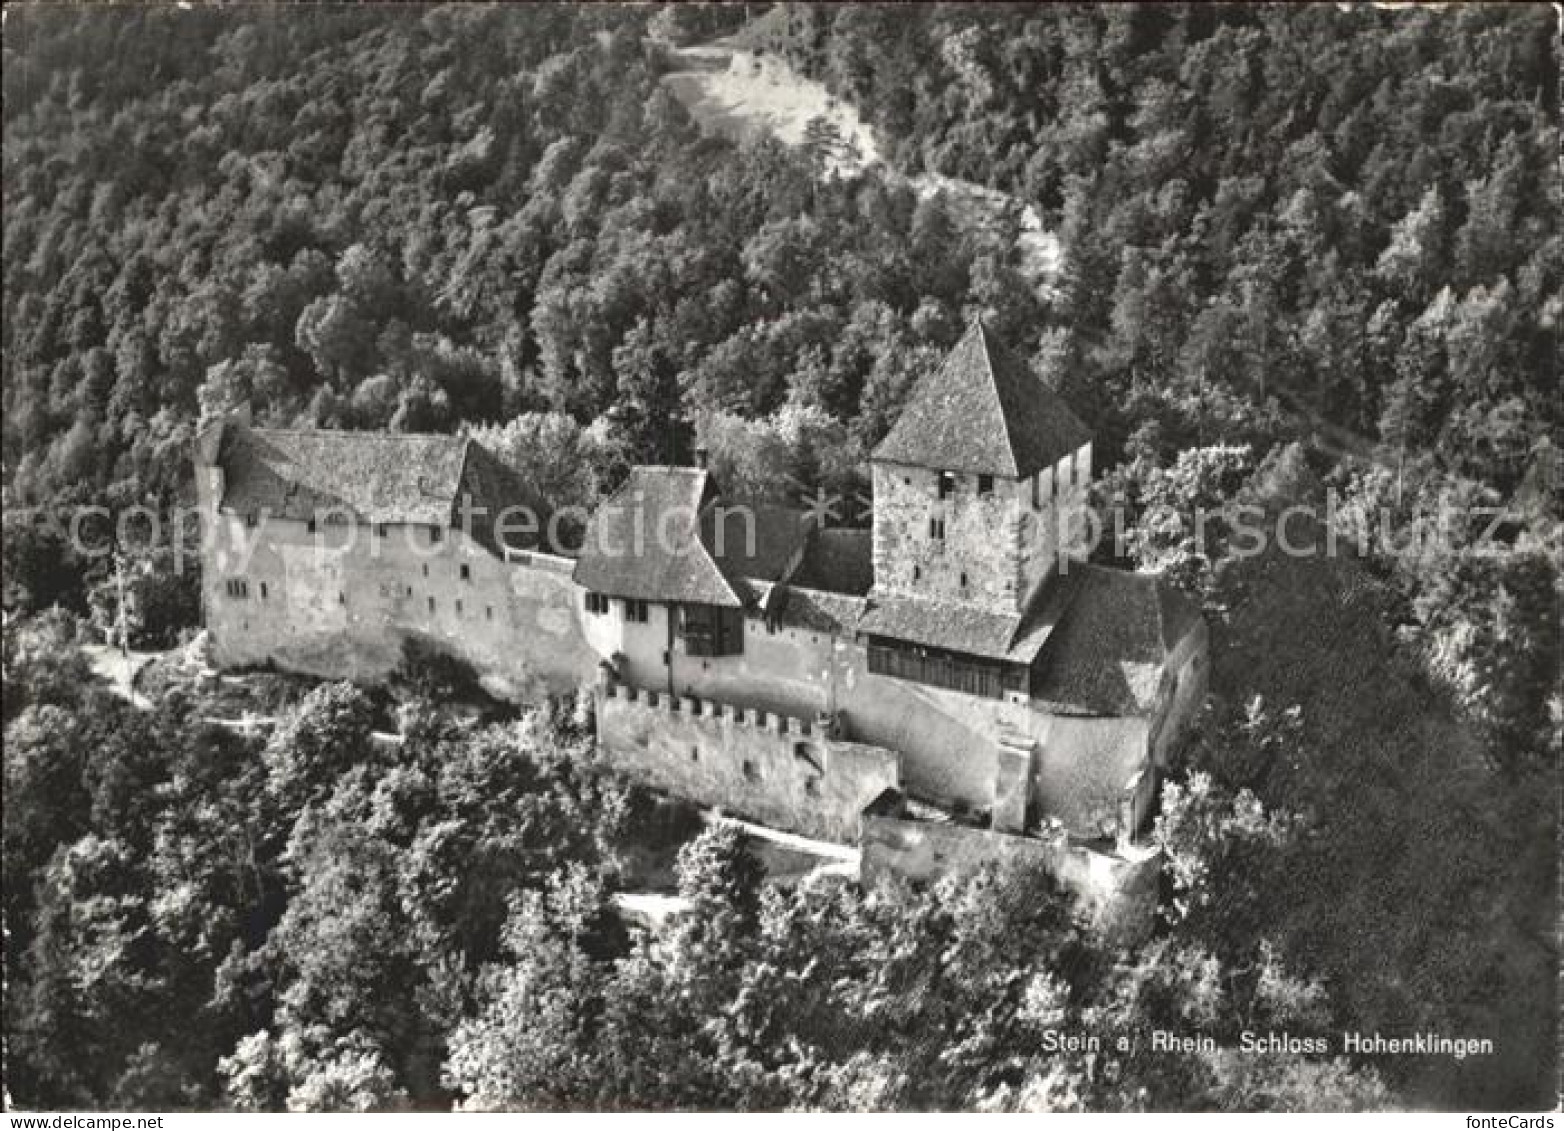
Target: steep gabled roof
x,y
644,541
983,412
666,535
376,476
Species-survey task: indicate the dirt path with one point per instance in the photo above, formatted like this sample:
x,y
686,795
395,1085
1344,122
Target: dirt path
x,y
737,94
119,670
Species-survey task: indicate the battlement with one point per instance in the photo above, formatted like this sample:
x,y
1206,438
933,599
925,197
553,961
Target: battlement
x,y
694,707
778,769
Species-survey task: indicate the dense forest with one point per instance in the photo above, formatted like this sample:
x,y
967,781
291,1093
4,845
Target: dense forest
x,y
1310,253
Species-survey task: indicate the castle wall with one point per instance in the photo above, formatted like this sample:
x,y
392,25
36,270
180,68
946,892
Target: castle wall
x,y
1082,766
948,740
340,603
1117,892
1053,519
778,770
788,670
635,646
1189,666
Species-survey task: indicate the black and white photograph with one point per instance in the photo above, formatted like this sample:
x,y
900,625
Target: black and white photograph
x,y
781,557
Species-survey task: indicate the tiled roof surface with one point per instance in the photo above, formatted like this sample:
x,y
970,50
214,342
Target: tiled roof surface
x,y
941,624
757,541
818,611
983,412
1108,652
377,476
839,560
644,541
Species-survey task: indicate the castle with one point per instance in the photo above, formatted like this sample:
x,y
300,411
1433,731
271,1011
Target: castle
x,y
954,684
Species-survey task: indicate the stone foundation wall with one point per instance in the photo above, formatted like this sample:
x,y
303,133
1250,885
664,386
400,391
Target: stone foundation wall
x,y
1117,892
780,770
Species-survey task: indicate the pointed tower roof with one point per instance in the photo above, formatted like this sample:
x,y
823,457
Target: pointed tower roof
x,y
983,412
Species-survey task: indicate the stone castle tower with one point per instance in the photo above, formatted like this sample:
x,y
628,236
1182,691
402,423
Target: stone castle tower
x,y
979,486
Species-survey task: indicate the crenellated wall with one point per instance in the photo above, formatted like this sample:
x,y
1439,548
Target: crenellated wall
x,y
780,770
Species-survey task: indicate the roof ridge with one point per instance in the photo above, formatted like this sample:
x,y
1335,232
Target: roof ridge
x,y
359,433
1005,423
948,420
461,472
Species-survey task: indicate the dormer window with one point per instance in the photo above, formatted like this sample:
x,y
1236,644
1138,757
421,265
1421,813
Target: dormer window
x,y
947,484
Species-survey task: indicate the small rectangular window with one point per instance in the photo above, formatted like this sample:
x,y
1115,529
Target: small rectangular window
x,y
937,529
251,518
947,484
380,530
431,604
263,590
342,598
488,612
985,485
435,534
309,524
466,573
426,569
458,608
